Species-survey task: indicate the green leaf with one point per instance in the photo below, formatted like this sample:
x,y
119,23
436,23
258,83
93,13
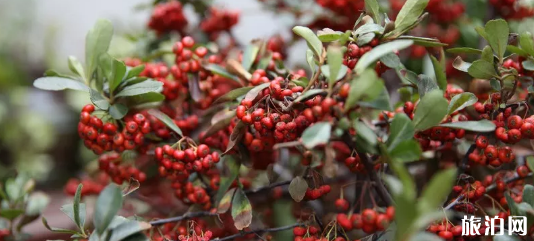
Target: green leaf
x,y
408,190
253,93
135,71
391,60
141,88
218,70
409,14
481,69
77,217
233,166
487,54
233,94
364,39
381,102
406,151
311,60
528,65
249,56
241,210
59,83
219,121
530,162
482,32
461,65
401,129
368,28
329,35
166,120
426,42
57,230
97,42
317,134
311,39
461,101
430,111
367,84
511,204
79,209
495,84
437,190
528,194
226,201
464,50
366,139
425,84
37,202
325,70
118,111
11,214
477,126
117,74
334,57
107,205
405,215
439,71
98,100
497,35
372,7
516,50
407,76
526,43
237,133
145,98
309,94
76,67
128,228
376,53
136,237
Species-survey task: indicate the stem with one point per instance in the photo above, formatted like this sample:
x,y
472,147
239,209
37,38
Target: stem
x,y
257,231
180,218
368,163
268,187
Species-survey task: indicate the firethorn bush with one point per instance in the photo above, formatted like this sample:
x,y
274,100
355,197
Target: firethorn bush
x,y
406,116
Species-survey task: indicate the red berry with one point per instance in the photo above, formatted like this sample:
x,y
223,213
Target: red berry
x,y
188,41
514,122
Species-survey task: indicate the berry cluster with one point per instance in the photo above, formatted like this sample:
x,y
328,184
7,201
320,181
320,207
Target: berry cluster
x,y
449,34
310,233
191,194
186,123
317,192
180,163
90,187
510,9
167,17
472,191
354,52
448,231
368,220
204,237
100,137
219,21
111,164
445,12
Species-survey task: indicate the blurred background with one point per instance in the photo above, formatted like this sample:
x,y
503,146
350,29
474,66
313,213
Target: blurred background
x,y
38,128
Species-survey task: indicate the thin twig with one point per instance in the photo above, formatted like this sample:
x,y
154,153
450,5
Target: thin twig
x,y
268,187
180,218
